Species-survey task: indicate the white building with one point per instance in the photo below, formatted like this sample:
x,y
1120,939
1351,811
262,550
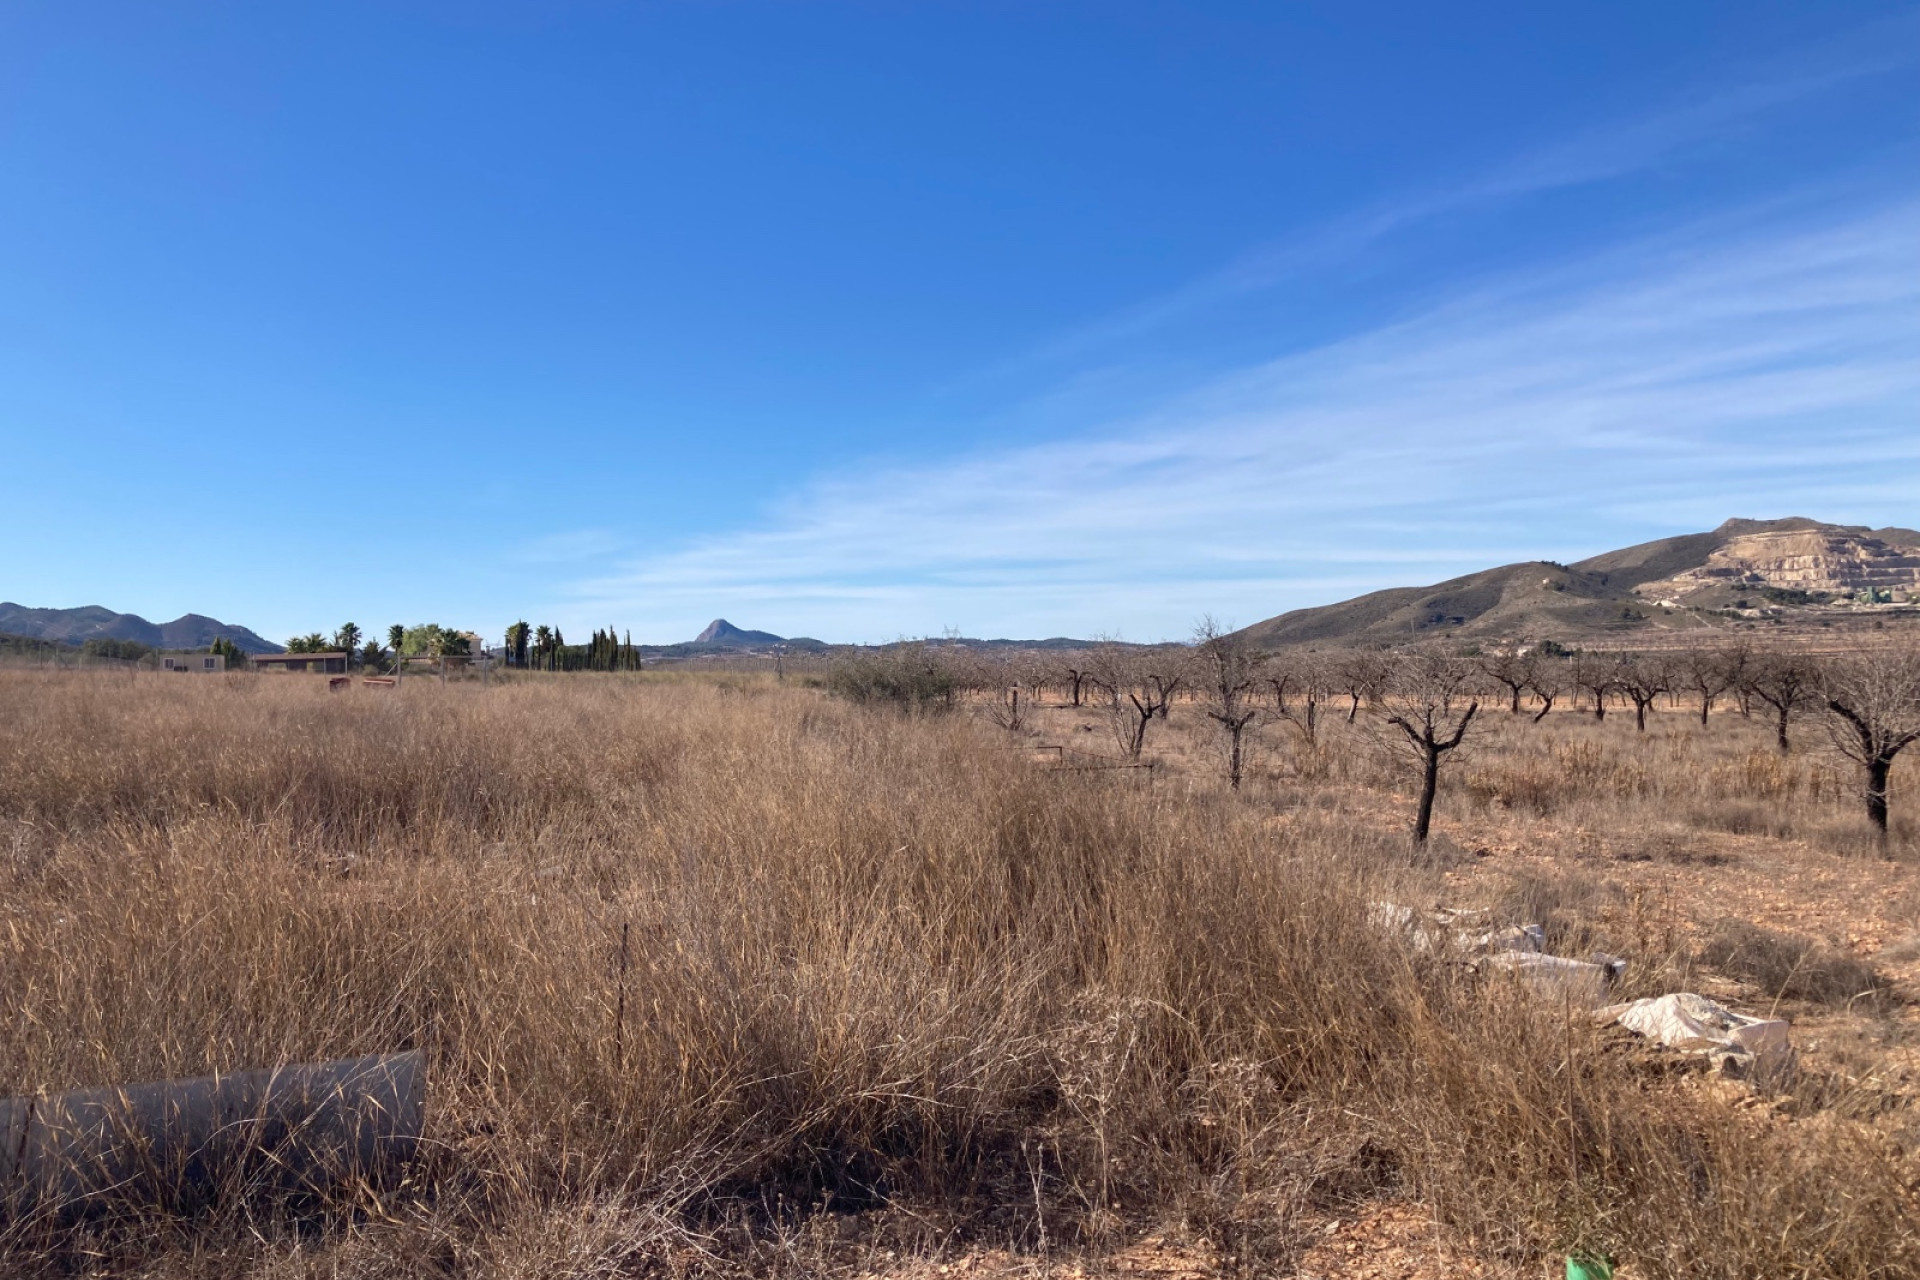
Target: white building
x,y
193,662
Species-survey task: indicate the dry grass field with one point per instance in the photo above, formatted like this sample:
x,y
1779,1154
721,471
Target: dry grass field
x,y
721,976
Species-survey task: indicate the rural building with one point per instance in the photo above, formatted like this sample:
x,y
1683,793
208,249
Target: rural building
x,y
332,664
193,662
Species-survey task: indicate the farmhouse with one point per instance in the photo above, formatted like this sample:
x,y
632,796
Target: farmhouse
x,y
193,662
332,664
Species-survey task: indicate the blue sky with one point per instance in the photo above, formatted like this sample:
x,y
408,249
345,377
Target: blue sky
x,y
868,320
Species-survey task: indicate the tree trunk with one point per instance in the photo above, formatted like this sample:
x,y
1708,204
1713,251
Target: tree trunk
x,y
1877,770
1514,708
1640,715
1706,705
1785,747
1143,716
1429,785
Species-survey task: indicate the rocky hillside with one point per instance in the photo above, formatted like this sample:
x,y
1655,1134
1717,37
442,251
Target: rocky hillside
x,y
1822,561
722,633
1743,569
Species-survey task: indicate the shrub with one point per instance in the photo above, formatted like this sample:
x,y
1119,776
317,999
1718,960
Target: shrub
x,y
908,676
1788,966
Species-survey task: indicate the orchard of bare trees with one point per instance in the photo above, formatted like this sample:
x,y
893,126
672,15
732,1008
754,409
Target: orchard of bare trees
x,y
1425,708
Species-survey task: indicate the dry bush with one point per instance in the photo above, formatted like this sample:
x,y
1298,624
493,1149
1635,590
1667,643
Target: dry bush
x,y
699,967
1786,966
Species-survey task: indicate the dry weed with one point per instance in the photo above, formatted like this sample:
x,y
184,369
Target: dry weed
x,y
700,966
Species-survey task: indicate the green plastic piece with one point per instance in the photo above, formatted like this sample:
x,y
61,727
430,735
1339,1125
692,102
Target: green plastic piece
x,y
1585,1266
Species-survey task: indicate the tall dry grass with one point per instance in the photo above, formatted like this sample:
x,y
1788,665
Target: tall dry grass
x,y
700,966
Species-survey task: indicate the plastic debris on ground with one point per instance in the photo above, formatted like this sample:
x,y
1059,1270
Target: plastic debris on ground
x,y
1587,981
1734,1043
1459,928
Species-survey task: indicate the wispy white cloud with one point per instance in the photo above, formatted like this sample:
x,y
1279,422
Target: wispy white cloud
x,y
1658,388
1612,151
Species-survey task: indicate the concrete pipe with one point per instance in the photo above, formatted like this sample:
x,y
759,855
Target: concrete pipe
x,y
292,1132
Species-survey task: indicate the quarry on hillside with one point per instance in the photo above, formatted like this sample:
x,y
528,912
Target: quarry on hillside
x,y
1826,561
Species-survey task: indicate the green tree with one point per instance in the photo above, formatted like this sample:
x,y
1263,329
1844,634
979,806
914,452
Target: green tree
x,y
119,650
420,641
396,638
432,640
517,644
347,640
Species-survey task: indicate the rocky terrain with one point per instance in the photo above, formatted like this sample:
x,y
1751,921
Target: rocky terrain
x,y
1787,572
1829,561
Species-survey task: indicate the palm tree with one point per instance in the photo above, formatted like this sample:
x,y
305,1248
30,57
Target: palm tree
x,y
396,636
347,640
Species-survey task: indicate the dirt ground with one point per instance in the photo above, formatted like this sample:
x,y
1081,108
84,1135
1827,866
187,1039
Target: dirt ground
x,y
1389,1240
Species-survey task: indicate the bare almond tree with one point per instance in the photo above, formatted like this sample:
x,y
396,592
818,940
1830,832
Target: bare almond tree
x,y
1786,682
1546,679
1230,670
1301,676
1430,701
1361,677
1708,674
1736,663
1873,705
1135,685
1643,678
1512,669
1169,669
1009,686
1597,674
1075,672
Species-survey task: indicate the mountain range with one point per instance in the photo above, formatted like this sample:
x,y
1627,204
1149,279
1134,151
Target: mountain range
x,y
1746,570
92,622
1752,572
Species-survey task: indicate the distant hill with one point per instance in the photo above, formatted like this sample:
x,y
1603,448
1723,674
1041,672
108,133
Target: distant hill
x,y
722,632
722,637
77,626
1745,568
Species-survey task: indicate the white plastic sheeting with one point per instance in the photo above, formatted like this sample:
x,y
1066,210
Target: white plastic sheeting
x,y
1460,928
1735,1043
1518,950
